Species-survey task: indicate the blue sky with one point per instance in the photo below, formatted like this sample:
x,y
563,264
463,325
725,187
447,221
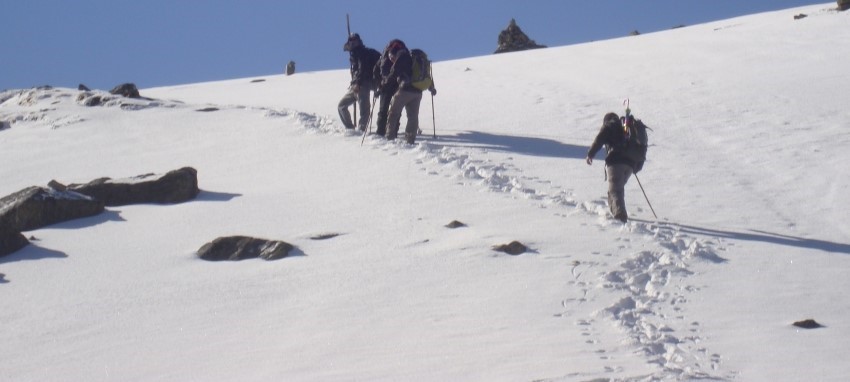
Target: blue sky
x,y
102,43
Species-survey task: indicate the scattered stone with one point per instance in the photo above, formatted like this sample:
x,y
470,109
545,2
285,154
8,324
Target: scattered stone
x,y
324,236
800,16
37,207
10,242
128,90
290,68
172,187
634,33
83,88
208,109
236,248
808,324
455,224
512,248
258,80
5,125
512,39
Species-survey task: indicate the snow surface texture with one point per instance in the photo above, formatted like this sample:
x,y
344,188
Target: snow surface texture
x,y
746,170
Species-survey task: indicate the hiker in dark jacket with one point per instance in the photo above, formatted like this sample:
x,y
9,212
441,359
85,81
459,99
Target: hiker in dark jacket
x,y
406,98
387,87
362,60
618,167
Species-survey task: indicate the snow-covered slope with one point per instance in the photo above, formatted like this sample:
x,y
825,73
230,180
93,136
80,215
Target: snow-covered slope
x,y
745,172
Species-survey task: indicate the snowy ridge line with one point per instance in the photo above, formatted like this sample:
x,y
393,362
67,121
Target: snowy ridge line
x,y
44,100
652,281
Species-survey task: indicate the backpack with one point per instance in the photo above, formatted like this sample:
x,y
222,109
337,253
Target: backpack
x,y
636,139
421,77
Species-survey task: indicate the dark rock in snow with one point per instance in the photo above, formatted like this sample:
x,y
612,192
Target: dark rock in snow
x,y
36,207
128,90
243,247
512,39
88,99
512,248
800,16
173,187
11,242
207,109
455,224
83,88
808,324
324,236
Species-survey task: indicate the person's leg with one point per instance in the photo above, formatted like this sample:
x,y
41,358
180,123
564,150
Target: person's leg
x,y
618,175
412,111
363,96
383,111
394,115
347,100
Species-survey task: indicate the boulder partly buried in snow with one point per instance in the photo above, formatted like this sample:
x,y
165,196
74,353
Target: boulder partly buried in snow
x,y
128,90
36,207
243,247
808,324
173,187
512,248
11,242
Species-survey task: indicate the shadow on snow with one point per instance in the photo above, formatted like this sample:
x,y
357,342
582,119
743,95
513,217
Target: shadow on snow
x,y
765,237
532,146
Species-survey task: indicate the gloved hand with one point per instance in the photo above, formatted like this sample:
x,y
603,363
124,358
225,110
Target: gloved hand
x,y
433,91
589,161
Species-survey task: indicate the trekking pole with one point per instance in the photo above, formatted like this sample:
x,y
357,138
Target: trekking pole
x,y
369,130
433,118
644,196
348,26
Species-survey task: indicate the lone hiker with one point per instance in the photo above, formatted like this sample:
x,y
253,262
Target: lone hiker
x,y
362,61
620,163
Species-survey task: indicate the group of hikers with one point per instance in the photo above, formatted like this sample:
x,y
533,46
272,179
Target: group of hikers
x,y
396,79
392,76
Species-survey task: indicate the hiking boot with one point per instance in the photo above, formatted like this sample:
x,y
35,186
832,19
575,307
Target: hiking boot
x,y
410,138
622,217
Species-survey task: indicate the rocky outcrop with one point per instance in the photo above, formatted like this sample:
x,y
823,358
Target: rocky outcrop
x,y
512,39
128,90
173,187
235,248
37,207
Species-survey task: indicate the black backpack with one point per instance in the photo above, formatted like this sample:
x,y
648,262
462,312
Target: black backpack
x,y
636,139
